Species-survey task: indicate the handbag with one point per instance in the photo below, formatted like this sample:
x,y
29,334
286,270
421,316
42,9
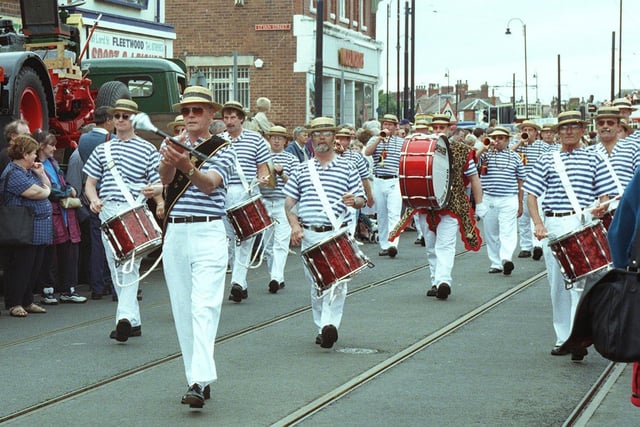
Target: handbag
x,y
70,203
16,222
608,313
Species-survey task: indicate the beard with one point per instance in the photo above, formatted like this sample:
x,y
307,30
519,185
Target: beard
x,y
323,148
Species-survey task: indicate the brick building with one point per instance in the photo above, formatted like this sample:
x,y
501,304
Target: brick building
x,y
272,44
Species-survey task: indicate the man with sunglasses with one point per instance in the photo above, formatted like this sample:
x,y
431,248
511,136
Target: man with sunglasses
x,y
125,168
586,179
253,154
626,108
194,267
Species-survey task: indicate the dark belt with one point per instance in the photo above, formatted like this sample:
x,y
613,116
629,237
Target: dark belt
x,y
190,219
386,176
558,214
321,228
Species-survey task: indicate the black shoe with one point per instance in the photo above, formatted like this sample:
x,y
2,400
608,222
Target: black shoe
x,y
274,286
422,241
444,290
237,293
281,285
136,331
96,296
393,251
122,332
578,354
508,267
494,270
418,241
206,392
194,397
524,254
559,351
383,252
319,339
329,336
537,253
433,291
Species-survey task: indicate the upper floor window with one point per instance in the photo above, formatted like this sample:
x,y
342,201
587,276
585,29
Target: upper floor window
x,y
136,4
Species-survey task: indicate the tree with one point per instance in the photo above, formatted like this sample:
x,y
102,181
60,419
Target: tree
x,y
382,104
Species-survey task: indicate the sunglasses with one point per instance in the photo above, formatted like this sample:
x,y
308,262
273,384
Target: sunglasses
x,y
325,133
124,116
197,111
565,128
607,122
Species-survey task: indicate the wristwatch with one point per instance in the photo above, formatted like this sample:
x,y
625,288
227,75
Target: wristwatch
x,y
191,172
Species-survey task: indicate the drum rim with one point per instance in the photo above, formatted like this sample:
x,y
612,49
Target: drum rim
x,y
244,202
591,224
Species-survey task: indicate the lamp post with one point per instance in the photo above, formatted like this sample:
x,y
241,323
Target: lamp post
x,y
526,72
447,75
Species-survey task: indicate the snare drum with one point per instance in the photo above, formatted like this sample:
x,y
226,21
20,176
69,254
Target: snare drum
x,y
425,164
133,232
249,218
334,259
582,252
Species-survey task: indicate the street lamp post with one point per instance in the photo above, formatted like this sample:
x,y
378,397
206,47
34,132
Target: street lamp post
x,y
526,71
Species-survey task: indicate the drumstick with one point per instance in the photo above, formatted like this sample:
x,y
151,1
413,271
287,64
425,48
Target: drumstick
x,y
605,203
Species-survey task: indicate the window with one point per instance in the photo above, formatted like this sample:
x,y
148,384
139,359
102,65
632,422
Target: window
x,y
220,81
342,11
139,86
136,4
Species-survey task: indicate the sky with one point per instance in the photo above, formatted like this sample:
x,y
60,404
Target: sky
x,y
467,39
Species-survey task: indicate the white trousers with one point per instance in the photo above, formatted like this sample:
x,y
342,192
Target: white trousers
x,y
125,277
276,239
440,247
563,302
388,205
325,311
525,226
239,255
500,224
195,275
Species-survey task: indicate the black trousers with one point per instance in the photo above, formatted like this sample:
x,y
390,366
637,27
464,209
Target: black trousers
x,y
22,274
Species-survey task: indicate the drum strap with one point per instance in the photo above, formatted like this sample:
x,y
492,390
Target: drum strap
x,y
564,178
315,180
607,162
181,182
111,165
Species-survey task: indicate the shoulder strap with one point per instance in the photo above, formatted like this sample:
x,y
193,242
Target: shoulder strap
x,y
111,165
562,173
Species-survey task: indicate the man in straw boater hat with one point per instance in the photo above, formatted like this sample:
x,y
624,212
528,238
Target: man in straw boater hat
x,y
177,125
276,238
195,274
253,156
125,168
529,147
501,174
626,108
319,217
570,180
385,149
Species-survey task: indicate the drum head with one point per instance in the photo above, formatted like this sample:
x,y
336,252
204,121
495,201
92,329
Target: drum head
x,y
441,170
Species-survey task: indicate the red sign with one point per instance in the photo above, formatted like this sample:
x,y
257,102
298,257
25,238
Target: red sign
x,y
272,27
350,58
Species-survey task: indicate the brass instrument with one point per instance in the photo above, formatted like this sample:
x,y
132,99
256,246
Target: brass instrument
x,y
486,141
524,137
338,148
384,133
272,175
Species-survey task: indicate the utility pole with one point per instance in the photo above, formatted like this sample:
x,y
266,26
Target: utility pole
x,y
319,64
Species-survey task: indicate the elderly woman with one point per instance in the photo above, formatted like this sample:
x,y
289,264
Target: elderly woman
x,y
24,182
61,258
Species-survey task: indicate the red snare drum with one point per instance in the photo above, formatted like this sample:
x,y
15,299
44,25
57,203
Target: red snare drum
x,y
133,232
425,164
334,259
607,218
582,252
249,218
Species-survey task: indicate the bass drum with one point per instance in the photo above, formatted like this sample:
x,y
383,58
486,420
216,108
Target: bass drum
x,y
424,172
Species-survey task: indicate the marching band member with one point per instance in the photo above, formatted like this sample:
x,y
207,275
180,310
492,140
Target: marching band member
x,y
440,227
529,148
252,157
626,108
385,150
338,179
587,179
194,273
501,174
123,167
276,238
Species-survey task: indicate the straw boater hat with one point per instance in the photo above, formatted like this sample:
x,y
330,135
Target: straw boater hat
x,y
567,117
441,119
421,124
500,131
548,127
529,123
179,121
321,123
606,112
625,125
277,130
196,95
392,118
623,103
124,105
344,132
235,105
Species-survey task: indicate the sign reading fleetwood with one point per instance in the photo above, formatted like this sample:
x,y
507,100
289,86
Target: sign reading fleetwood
x,y
106,44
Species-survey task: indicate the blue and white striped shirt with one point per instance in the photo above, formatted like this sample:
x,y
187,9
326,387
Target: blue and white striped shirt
x,y
390,150
503,170
338,177
587,173
289,162
532,153
623,158
251,149
358,160
136,161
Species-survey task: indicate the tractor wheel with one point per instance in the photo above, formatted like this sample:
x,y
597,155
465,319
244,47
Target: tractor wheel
x,y
30,100
110,92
